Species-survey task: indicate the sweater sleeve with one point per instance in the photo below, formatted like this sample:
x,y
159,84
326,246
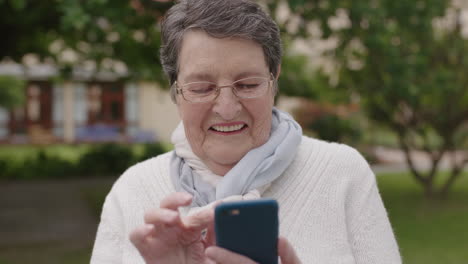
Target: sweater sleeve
x,y
108,243
369,230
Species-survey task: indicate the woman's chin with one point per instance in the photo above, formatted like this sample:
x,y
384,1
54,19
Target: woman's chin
x,y
220,163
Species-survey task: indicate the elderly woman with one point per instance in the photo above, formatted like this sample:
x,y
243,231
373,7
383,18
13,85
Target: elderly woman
x,y
223,59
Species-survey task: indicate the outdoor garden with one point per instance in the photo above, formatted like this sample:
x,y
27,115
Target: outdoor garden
x,y
427,230
372,74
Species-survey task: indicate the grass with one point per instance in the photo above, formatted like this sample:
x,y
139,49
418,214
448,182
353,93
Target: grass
x,y
429,232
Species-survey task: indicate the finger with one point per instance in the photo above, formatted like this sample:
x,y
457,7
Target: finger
x,y
175,200
210,239
199,220
209,261
286,252
221,255
210,220
161,216
138,235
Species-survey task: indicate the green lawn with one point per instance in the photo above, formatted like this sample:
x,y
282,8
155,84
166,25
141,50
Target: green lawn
x,y
429,232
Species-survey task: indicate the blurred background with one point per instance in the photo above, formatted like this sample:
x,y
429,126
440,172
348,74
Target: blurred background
x,y
83,97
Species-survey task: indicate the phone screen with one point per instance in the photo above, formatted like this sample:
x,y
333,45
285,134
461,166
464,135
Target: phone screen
x,y
249,228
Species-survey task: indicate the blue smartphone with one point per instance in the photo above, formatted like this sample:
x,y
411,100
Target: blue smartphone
x,y
249,228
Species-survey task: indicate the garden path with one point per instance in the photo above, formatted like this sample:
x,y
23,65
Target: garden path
x,y
46,211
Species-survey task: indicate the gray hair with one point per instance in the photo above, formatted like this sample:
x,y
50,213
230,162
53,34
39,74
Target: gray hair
x,y
218,18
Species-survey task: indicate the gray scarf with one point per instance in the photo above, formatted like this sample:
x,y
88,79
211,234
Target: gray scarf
x,y
260,166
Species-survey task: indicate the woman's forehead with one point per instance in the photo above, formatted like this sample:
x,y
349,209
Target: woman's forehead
x,y
203,56
214,75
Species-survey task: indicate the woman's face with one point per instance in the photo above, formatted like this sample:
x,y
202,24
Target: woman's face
x,y
246,122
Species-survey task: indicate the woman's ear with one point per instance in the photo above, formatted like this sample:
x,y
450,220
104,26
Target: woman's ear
x,y
276,82
278,72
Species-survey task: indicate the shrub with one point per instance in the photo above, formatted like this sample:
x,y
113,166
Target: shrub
x,y
338,123
39,165
5,168
331,127
151,150
45,165
108,159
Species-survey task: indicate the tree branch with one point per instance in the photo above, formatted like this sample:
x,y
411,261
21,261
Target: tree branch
x,y
456,173
409,160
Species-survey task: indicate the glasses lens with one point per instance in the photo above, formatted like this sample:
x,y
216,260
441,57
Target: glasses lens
x,y
251,87
199,91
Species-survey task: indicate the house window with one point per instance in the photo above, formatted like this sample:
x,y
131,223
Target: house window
x,y
94,105
18,121
34,103
37,110
116,111
106,104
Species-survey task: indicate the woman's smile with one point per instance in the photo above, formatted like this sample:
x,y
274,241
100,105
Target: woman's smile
x,y
228,128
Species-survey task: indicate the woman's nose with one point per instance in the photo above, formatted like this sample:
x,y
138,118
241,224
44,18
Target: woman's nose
x,y
227,104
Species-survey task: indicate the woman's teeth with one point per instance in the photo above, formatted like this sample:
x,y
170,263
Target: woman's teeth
x,y
228,128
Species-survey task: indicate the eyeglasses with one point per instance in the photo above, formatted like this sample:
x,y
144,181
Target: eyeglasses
x,y
201,92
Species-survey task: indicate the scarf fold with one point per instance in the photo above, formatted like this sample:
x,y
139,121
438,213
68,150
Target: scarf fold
x,y
254,172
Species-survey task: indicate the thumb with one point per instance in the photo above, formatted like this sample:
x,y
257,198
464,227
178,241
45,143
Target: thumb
x,y
286,252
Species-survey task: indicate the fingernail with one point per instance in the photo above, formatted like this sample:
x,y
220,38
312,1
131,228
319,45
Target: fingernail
x,y
149,227
186,196
170,215
209,252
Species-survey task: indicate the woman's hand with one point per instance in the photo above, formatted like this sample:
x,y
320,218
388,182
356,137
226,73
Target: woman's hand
x,y
286,252
222,256
168,238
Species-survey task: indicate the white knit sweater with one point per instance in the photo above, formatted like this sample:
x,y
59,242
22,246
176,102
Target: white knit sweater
x,y
330,208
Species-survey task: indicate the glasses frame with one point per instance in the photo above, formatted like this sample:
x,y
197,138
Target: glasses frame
x,y
180,90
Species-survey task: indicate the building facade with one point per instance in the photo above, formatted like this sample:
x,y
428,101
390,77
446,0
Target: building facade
x,y
88,110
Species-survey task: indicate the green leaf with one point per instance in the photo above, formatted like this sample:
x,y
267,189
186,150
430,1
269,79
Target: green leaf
x,y
18,4
12,91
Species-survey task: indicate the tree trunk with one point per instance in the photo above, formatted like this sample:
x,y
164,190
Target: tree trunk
x,y
428,179
429,191
455,174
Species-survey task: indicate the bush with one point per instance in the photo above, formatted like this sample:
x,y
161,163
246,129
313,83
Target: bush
x,y
99,160
107,159
151,150
337,123
331,127
38,165
12,91
5,168
48,166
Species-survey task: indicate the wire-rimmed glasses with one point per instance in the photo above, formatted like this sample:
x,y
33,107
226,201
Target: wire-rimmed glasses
x,y
201,92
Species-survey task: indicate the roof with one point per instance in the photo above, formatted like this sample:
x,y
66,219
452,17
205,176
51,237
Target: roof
x,y
45,71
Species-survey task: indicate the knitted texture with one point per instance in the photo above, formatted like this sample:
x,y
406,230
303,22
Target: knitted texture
x,y
330,208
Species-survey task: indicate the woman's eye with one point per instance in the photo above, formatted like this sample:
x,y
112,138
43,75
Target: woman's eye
x,y
246,86
201,88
